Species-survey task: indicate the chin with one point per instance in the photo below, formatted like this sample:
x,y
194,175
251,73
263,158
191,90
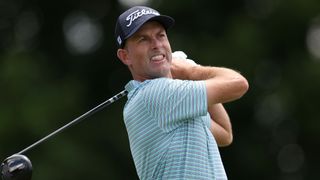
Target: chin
x,y
163,74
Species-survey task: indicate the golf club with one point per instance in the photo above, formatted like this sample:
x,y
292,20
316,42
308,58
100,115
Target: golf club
x,y
19,167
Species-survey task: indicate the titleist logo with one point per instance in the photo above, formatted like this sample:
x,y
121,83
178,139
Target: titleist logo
x,y
138,13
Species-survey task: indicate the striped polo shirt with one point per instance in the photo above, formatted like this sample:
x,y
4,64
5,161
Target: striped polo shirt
x,y
168,129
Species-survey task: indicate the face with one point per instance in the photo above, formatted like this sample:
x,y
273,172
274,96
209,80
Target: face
x,y
147,53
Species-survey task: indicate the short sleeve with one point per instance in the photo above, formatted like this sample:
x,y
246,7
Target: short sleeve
x,y
172,102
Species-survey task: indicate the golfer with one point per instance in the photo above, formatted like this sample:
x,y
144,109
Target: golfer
x,y
174,114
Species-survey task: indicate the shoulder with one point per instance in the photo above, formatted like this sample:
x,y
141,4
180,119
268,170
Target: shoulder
x,y
162,84
167,87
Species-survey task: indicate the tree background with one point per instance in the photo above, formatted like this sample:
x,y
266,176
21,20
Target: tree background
x,y
58,60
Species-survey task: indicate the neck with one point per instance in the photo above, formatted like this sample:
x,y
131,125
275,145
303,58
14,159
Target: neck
x,y
143,78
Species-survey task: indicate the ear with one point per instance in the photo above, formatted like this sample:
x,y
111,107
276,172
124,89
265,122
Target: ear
x,y
123,56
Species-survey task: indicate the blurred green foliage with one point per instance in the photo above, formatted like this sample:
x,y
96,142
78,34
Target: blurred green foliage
x,y
49,75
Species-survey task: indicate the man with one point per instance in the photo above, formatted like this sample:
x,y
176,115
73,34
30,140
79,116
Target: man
x,y
174,114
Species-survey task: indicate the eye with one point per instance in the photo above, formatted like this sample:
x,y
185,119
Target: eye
x,y
142,39
162,35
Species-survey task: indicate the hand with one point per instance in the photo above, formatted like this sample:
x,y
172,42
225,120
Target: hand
x,y
182,55
181,66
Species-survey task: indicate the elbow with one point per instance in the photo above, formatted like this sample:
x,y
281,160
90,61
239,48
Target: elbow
x,y
227,141
243,86
226,90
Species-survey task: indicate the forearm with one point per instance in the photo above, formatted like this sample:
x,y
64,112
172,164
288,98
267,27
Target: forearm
x,y
184,70
208,72
220,125
223,84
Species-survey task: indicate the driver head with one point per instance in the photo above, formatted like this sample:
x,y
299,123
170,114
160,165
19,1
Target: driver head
x,y
16,167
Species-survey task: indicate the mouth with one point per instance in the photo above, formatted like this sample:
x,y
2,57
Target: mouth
x,y
158,58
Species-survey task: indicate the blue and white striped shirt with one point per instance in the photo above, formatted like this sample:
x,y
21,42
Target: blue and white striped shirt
x,y
168,129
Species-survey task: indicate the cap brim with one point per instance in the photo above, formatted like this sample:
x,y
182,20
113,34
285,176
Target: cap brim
x,y
166,21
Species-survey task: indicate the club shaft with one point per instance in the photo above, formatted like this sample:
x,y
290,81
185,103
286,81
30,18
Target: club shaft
x,y
77,120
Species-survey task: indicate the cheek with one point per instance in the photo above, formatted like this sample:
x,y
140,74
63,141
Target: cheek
x,y
169,53
134,56
138,61
140,55
167,46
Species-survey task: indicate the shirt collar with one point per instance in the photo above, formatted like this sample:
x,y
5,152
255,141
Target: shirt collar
x,y
132,85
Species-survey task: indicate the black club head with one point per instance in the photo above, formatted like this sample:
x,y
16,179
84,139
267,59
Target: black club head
x,y
16,167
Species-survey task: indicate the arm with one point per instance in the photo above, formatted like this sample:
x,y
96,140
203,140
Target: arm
x,y
222,85
220,125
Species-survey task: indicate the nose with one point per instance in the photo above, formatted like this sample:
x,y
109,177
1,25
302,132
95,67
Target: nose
x,y
155,43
